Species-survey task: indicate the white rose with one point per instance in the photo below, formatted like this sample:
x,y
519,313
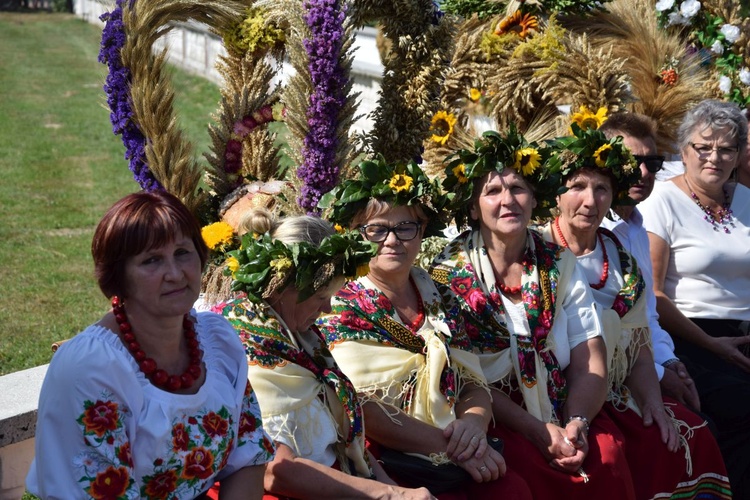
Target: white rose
x,y
725,84
717,47
745,76
689,8
663,5
676,18
731,33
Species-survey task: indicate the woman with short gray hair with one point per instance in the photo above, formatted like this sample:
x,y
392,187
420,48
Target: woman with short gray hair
x,y
699,234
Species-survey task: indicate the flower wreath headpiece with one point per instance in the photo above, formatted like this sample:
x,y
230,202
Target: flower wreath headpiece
x,y
397,183
496,152
591,148
263,266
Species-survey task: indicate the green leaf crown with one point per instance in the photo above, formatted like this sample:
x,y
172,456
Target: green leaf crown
x,y
591,148
265,265
494,152
397,183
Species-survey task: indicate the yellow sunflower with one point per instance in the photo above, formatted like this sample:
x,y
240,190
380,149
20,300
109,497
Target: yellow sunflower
x,y
232,264
460,173
601,154
217,235
527,161
401,182
521,24
586,119
442,126
338,228
475,94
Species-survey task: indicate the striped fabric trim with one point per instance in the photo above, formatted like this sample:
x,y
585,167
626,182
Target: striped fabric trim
x,y
708,486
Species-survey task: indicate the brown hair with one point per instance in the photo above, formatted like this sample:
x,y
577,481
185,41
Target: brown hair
x,y
137,223
632,124
377,207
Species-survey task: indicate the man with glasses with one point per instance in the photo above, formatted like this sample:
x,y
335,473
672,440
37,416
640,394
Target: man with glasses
x,y
639,135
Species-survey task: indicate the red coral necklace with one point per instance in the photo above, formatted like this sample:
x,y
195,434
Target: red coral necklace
x,y
605,267
156,375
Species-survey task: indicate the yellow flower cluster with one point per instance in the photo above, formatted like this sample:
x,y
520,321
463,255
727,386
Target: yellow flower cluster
x,y
253,34
218,235
281,265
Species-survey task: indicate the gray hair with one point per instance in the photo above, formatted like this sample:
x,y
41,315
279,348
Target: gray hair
x,y
289,230
714,114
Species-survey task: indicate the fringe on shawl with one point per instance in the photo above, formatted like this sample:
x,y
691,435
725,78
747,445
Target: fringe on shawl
x,y
623,360
679,426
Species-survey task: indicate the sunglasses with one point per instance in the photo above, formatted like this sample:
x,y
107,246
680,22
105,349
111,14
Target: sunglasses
x,y
653,163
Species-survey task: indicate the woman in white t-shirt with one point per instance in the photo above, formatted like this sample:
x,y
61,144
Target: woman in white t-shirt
x,y
699,234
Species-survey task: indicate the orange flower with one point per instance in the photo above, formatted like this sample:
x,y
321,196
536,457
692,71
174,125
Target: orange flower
x,y
112,483
521,24
100,417
215,425
198,464
162,484
180,438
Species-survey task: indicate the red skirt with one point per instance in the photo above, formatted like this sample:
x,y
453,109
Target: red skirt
x,y
659,473
605,466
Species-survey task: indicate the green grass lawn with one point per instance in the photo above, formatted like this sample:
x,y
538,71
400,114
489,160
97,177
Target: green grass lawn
x,y
60,169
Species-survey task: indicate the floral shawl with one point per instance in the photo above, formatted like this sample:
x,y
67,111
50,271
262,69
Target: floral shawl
x,y
466,280
421,373
625,322
288,371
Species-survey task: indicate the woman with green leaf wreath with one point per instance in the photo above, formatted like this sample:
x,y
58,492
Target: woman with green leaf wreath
x,y
424,395
532,320
595,171
286,272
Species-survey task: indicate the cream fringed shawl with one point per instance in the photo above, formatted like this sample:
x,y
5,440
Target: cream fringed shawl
x,y
625,323
525,362
289,371
420,374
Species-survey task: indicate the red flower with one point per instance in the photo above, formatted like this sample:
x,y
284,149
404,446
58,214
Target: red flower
x,y
349,318
247,423
383,303
192,420
215,425
620,307
110,484
366,304
124,455
198,464
268,445
180,438
101,417
248,389
461,286
162,484
472,331
476,300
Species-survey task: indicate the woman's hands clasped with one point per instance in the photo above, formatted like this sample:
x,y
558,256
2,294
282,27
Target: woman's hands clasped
x,y
468,448
564,448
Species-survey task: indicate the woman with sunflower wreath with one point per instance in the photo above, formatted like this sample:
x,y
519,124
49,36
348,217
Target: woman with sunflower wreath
x,y
424,394
594,171
532,320
286,272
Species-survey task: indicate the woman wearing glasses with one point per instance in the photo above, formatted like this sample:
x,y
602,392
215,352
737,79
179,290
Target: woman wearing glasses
x,y
422,392
699,233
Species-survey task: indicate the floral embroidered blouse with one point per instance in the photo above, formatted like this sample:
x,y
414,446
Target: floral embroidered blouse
x,y
104,431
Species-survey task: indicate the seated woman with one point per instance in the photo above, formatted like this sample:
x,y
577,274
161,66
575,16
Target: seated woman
x,y
288,274
423,393
595,171
698,227
532,319
153,400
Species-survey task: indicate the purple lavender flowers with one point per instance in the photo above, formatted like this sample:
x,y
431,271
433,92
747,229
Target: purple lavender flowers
x,y
118,97
319,172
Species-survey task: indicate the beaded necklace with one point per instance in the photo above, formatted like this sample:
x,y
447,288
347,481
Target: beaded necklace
x,y
605,267
148,366
723,217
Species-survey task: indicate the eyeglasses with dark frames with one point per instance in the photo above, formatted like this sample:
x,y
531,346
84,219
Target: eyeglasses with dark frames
x,y
378,233
653,163
724,153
